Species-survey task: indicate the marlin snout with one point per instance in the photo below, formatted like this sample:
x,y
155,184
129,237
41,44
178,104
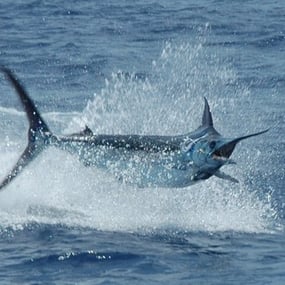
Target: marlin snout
x,y
225,150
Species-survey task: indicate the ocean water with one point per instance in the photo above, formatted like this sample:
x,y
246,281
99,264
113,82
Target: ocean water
x,y
143,67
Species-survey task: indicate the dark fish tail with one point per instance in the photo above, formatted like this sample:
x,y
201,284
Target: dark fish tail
x,y
38,134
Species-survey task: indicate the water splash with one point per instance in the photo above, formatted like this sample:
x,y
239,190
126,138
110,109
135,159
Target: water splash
x,y
169,101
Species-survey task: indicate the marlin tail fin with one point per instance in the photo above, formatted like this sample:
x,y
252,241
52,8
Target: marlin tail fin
x,y
38,135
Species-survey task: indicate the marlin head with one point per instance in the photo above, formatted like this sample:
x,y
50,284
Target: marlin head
x,y
210,151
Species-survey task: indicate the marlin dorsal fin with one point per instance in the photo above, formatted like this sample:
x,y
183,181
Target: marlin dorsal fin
x,y
87,131
207,120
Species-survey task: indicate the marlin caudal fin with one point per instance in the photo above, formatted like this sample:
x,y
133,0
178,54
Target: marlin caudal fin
x,y
38,134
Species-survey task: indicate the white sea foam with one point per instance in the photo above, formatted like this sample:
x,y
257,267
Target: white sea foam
x,y
56,188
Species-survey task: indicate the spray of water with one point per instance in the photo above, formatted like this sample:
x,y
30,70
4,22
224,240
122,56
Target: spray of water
x,y
58,189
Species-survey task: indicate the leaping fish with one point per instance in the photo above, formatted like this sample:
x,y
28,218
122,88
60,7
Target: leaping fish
x,y
141,160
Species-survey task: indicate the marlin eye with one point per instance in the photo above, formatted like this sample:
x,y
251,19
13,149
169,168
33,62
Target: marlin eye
x,y
212,144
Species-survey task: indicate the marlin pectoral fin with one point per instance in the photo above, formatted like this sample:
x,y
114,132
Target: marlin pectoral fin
x,y
225,176
229,161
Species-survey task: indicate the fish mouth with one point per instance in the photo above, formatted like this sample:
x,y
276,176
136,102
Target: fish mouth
x,y
224,152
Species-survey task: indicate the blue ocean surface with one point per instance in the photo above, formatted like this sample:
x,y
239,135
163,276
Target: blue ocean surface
x,y
143,67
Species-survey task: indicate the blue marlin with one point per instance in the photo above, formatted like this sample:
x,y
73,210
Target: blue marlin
x,y
141,160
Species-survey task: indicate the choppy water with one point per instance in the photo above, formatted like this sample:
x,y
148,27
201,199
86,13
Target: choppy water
x,y
144,67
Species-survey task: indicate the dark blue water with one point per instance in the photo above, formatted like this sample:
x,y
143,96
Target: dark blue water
x,y
144,67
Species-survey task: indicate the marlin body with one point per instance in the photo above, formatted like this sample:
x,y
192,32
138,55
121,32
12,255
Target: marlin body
x,y
144,161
